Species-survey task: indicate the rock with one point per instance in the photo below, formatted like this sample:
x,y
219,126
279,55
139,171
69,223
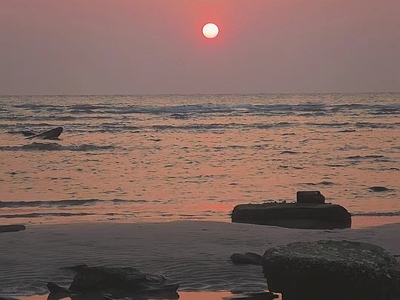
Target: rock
x,y
56,289
46,135
28,132
249,258
11,228
310,197
116,283
332,270
293,215
379,189
253,296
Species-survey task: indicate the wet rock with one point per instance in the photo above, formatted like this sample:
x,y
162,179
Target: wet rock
x,y
379,189
293,215
310,197
56,289
46,135
248,258
332,270
253,296
116,283
11,228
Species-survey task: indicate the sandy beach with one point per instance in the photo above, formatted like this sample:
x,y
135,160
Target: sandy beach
x,y
195,254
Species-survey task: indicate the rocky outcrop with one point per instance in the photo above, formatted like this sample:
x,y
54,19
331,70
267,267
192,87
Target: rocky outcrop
x,y
116,283
11,228
332,270
293,215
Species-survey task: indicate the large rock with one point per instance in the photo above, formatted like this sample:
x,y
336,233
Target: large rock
x,y
332,270
293,215
116,283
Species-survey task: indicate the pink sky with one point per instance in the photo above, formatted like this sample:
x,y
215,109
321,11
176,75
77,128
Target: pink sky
x,y
156,46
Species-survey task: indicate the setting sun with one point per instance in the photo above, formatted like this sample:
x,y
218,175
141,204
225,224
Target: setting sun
x,y
210,30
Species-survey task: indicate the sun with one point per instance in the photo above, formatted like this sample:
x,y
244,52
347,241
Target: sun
x,y
210,30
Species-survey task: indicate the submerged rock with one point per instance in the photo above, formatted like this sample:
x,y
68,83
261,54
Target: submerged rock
x,y
253,296
293,215
116,283
11,228
248,258
331,270
379,189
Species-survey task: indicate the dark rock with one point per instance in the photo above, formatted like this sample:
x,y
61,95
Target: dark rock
x,y
11,228
249,258
332,270
293,215
314,197
113,282
378,189
28,133
47,135
56,289
254,296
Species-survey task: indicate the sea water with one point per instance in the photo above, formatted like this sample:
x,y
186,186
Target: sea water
x,y
152,158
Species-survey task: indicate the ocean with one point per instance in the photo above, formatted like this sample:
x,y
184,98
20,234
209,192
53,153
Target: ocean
x,y
151,158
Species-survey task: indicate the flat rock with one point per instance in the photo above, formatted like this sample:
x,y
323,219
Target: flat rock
x,y
332,270
293,215
11,228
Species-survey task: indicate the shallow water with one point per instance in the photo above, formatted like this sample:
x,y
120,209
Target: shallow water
x,y
172,157
220,295
194,254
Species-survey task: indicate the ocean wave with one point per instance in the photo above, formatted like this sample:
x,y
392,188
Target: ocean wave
x,y
376,125
36,146
63,203
40,146
333,124
368,157
45,214
322,183
55,203
377,214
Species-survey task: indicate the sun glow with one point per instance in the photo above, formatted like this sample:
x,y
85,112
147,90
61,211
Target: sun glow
x,y
210,30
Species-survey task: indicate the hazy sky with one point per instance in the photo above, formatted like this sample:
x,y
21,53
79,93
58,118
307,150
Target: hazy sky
x,y
156,46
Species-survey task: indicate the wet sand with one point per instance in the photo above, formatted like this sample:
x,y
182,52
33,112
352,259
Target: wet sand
x,y
195,254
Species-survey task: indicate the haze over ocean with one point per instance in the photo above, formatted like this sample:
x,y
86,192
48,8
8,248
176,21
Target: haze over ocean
x,y
129,47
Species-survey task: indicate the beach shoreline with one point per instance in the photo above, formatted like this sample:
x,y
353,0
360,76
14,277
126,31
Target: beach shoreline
x,y
193,253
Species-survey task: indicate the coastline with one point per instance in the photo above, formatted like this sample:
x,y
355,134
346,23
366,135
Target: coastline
x,y
194,253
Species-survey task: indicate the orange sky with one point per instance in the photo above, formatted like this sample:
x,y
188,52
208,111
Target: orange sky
x,y
156,46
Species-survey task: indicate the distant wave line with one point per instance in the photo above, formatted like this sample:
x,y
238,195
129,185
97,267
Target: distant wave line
x,y
63,203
